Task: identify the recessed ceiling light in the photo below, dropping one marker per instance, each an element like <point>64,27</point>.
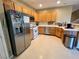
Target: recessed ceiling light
<point>40,5</point>
<point>58,2</point>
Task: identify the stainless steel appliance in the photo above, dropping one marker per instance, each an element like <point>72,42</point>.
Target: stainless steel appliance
<point>77,42</point>
<point>69,39</point>
<point>19,31</point>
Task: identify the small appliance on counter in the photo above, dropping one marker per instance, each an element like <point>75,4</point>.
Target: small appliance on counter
<point>37,23</point>
<point>69,26</point>
<point>31,19</point>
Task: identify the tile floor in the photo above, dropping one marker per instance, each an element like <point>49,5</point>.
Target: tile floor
<point>48,47</point>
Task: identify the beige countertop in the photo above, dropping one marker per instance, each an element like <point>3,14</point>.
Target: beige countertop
<point>75,29</point>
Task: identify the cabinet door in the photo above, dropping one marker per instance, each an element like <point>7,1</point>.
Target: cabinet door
<point>42,16</point>
<point>49,15</point>
<point>9,5</point>
<point>54,15</point>
<point>52,30</point>
<point>36,16</point>
<point>57,32</point>
<point>25,10</point>
<point>18,8</point>
<point>62,34</point>
<point>41,30</point>
<point>29,11</point>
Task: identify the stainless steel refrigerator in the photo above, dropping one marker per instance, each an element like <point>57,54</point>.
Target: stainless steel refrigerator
<point>19,31</point>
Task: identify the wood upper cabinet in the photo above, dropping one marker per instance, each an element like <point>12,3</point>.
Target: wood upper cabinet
<point>35,14</point>
<point>54,15</point>
<point>42,16</point>
<point>9,5</point>
<point>26,10</point>
<point>18,8</point>
<point>47,15</point>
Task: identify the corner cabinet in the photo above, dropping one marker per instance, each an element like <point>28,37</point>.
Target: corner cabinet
<point>59,32</point>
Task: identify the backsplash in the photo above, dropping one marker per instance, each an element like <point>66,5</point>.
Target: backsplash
<point>43,23</point>
<point>33,23</point>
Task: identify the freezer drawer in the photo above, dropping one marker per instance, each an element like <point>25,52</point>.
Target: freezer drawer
<point>47,30</point>
<point>20,45</point>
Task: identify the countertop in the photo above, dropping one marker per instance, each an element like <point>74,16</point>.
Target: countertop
<point>74,29</point>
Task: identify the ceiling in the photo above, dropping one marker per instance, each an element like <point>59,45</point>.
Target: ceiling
<point>49,3</point>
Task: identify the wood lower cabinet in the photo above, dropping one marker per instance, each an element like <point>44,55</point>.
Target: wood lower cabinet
<point>59,32</point>
<point>41,30</point>
<point>52,30</point>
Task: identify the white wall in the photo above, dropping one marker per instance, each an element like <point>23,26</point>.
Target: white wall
<point>5,51</point>
<point>64,14</point>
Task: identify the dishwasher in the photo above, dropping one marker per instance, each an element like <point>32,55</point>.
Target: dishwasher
<point>47,30</point>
